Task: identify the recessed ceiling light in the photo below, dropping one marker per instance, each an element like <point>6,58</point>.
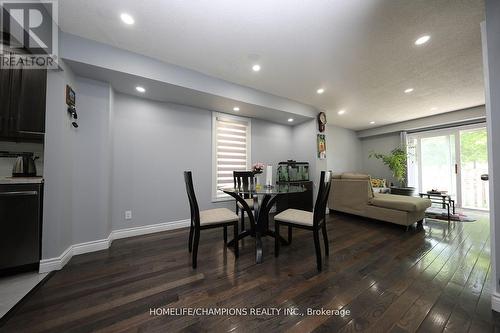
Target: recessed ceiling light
<point>256,68</point>
<point>409,90</point>
<point>127,18</point>
<point>422,40</point>
<point>434,108</point>
<point>320,91</point>
<point>341,112</point>
<point>372,122</point>
<point>236,109</point>
<point>290,120</point>
<point>140,89</point>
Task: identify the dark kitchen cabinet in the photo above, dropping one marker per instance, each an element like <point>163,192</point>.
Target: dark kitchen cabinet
<point>4,100</point>
<point>23,95</point>
<point>28,111</point>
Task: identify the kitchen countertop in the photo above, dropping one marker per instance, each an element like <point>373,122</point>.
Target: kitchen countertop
<point>21,180</point>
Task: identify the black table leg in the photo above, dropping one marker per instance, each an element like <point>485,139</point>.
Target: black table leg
<point>262,216</point>
<point>258,220</point>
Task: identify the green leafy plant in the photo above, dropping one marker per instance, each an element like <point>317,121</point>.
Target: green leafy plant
<point>396,161</point>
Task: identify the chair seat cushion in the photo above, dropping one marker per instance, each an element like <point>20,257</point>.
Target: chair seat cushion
<point>400,202</point>
<point>295,216</point>
<point>217,215</point>
<point>249,202</point>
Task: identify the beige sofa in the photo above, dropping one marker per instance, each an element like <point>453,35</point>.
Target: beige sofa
<point>352,193</point>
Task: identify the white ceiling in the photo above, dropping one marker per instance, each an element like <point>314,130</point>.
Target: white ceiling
<point>360,51</point>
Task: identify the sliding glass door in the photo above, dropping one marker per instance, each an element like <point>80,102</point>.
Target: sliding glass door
<point>438,164</point>
<point>451,161</point>
<point>474,163</point>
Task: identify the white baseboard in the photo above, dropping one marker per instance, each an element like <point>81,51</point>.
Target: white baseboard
<point>495,302</point>
<point>148,229</point>
<point>54,264</point>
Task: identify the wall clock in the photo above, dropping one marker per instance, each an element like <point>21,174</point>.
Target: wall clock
<point>321,121</point>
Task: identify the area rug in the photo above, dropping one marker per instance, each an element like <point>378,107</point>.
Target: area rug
<point>438,214</point>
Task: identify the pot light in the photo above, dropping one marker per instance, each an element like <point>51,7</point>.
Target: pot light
<point>341,112</point>
<point>409,90</point>
<point>236,109</point>
<point>422,40</point>
<point>320,91</point>
<point>372,123</point>
<point>256,68</point>
<point>140,89</point>
<point>434,108</point>
<point>290,120</point>
<point>127,18</point>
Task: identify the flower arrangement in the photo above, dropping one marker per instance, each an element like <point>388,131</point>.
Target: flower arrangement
<point>258,168</point>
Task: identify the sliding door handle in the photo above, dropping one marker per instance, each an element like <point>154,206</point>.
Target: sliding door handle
<point>456,169</point>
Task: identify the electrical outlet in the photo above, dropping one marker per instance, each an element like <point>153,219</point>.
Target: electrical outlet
<point>128,215</point>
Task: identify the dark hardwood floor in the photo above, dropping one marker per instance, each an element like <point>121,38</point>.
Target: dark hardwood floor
<point>429,280</point>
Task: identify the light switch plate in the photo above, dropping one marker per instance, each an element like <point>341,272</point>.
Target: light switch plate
<point>128,215</point>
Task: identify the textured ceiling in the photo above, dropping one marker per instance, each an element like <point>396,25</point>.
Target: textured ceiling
<point>360,51</point>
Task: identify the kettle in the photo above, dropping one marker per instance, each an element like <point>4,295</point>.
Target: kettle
<point>24,166</point>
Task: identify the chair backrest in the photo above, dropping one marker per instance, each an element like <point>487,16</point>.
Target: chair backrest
<point>322,198</point>
<point>243,179</point>
<point>193,204</point>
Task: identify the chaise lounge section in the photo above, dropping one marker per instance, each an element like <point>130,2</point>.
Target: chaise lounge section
<point>352,193</point>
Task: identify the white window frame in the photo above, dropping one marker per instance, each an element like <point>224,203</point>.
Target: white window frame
<point>216,115</point>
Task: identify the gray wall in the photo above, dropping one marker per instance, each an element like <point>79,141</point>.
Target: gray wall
<point>91,168</point>
<point>304,146</point>
<point>154,142</point>
<point>343,150</point>
<point>491,54</point>
<point>378,144</point>
<point>58,166</point>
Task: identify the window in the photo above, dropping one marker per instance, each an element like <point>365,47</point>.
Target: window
<point>230,150</point>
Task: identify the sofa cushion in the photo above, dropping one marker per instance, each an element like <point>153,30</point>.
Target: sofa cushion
<point>400,202</point>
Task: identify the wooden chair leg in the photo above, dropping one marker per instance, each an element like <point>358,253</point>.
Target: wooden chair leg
<point>191,239</point>
<point>317,245</point>
<point>289,235</point>
<point>225,235</point>
<point>277,239</point>
<point>236,244</point>
<point>195,247</point>
<point>325,239</point>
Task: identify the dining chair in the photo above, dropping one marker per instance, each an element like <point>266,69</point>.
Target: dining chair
<point>314,221</point>
<point>207,219</point>
<point>243,179</point>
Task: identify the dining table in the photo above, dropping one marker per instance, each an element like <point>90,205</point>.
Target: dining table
<point>264,197</point>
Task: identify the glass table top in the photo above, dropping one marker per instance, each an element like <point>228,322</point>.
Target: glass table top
<point>263,190</point>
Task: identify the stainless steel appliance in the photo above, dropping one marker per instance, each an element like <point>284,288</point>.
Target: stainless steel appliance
<point>24,166</point>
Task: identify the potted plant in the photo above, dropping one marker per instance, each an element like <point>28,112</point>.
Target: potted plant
<point>396,161</point>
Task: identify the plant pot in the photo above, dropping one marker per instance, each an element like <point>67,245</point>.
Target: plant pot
<point>408,191</point>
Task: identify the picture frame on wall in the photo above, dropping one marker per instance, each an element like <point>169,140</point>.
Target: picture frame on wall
<point>321,146</point>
